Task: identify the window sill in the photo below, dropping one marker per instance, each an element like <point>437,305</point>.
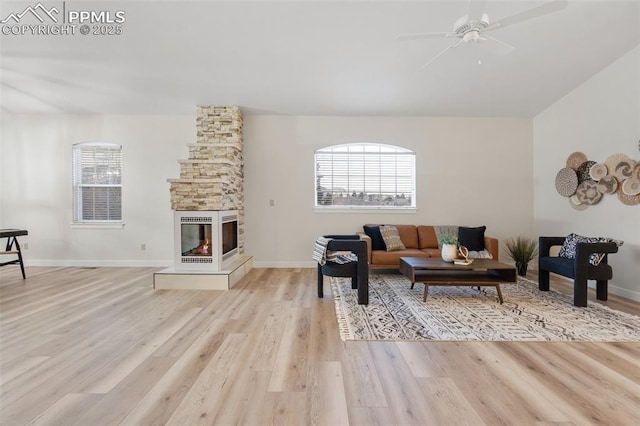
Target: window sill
<point>97,225</point>
<point>360,210</point>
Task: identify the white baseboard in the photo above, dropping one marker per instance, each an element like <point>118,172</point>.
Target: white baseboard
<point>613,289</point>
<point>624,292</point>
<point>304,264</point>
<point>101,263</point>
<point>153,263</point>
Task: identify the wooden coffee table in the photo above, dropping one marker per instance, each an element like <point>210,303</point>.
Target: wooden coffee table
<point>435,271</point>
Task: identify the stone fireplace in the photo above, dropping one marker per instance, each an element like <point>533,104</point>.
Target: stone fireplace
<point>208,201</point>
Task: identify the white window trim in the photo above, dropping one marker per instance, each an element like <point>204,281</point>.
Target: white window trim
<point>367,210</point>
<point>95,224</point>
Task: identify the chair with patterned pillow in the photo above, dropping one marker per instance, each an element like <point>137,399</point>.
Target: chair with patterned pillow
<point>580,258</point>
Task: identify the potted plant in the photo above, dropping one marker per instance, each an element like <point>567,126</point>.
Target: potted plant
<point>449,247</point>
<point>522,250</point>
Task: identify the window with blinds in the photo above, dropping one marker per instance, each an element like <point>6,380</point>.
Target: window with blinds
<point>97,182</point>
<point>365,175</point>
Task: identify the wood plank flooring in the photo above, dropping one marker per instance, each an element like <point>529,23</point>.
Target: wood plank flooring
<point>98,346</point>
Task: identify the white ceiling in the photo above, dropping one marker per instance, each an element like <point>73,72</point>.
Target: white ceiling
<point>311,58</point>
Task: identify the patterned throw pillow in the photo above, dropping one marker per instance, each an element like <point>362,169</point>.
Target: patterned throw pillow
<point>570,247</point>
<point>480,254</point>
<point>596,258</point>
<point>391,238</point>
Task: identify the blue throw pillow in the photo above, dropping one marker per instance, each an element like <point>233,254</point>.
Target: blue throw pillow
<point>472,238</point>
<point>373,232</point>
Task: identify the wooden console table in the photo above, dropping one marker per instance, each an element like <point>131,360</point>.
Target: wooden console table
<point>12,240</point>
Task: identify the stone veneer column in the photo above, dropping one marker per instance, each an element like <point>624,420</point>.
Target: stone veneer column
<point>212,178</point>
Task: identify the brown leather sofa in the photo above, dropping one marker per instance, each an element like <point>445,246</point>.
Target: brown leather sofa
<point>420,241</point>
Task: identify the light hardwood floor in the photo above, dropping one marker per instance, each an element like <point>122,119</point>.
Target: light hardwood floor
<point>98,346</point>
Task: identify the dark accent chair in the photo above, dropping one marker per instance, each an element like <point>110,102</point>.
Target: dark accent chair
<point>357,271</point>
<point>579,268</point>
<point>12,239</point>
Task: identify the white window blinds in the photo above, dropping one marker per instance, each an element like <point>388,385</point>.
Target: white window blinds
<point>365,175</point>
<point>97,182</point>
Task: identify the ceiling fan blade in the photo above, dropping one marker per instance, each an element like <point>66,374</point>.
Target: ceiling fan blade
<point>536,12</point>
<point>452,45</point>
<point>476,9</point>
<point>424,36</point>
<point>497,47</point>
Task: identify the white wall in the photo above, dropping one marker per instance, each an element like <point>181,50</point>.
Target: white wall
<point>599,118</point>
<point>470,171</point>
<point>36,186</point>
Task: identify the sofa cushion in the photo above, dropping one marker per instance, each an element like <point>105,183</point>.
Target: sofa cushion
<point>392,258</point>
<point>427,237</point>
<point>432,252</point>
<point>373,231</point>
<point>391,238</point>
<point>408,235</point>
<point>472,238</point>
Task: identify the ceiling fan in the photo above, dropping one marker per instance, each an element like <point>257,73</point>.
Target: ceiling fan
<point>474,26</point>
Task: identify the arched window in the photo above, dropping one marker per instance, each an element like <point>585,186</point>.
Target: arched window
<point>365,175</point>
<point>97,182</point>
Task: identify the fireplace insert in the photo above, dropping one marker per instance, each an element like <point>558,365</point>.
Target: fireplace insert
<point>206,240</point>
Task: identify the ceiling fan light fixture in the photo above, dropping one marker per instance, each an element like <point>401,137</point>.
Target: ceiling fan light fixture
<point>471,36</point>
<point>463,25</point>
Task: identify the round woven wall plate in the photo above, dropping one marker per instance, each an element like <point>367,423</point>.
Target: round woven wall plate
<point>623,169</point>
<point>574,199</point>
<point>577,205</point>
<point>608,185</point>
<point>566,182</point>
<point>629,200</point>
<point>598,171</point>
<point>575,159</point>
<point>612,161</point>
<point>631,186</point>
<point>583,171</point>
<point>588,193</point>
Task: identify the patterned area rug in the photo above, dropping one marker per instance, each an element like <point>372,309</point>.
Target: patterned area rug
<point>396,312</point>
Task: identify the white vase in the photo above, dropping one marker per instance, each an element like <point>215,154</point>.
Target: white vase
<point>449,252</point>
